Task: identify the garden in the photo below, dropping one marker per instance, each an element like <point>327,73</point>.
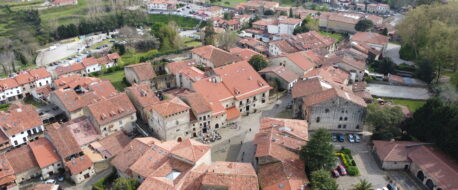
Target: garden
<point>345,156</point>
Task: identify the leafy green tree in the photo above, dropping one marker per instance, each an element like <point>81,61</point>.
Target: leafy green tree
<point>283,13</point>
<point>209,34</point>
<point>291,13</point>
<point>269,12</point>
<point>385,32</point>
<point>425,71</point>
<point>322,180</point>
<point>258,62</point>
<point>125,184</point>
<point>363,185</point>
<point>364,25</point>
<point>384,121</point>
<point>319,151</point>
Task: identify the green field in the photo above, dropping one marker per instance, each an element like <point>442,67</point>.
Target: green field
<point>336,36</point>
<point>183,22</point>
<point>65,14</point>
<point>413,105</point>
<point>116,78</point>
<point>229,3</point>
<point>190,42</point>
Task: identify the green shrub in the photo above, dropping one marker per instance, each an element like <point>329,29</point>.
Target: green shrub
<point>345,151</point>
<point>352,171</point>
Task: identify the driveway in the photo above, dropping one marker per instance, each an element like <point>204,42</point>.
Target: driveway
<point>392,51</point>
<point>403,92</point>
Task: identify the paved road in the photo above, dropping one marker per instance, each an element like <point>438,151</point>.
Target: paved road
<point>392,51</point>
<point>404,92</point>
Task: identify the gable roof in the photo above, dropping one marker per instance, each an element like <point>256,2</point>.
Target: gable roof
<point>7,171</point>
<point>197,102</point>
<point>176,67</point>
<point>131,153</point>
<point>370,37</point>
<point>63,140</point>
<point>144,71</point>
<point>142,94</point>
<point>22,159</point>
<point>168,107</point>
<point>283,72</point>
<point>79,164</point>
<point>111,109</point>
<point>302,59</point>
<point>112,144</point>
<point>216,56</point>
<point>44,152</point>
<point>244,53</point>
<point>283,175</point>
<point>190,150</point>
<point>19,118</point>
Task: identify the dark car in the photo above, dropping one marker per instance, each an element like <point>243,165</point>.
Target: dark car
<point>340,137</point>
<point>335,173</point>
<point>391,187</point>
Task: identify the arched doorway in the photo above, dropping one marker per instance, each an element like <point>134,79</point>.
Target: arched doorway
<point>430,184</point>
<point>194,134</point>
<point>204,130</point>
<point>179,139</point>
<point>420,176</point>
<point>216,126</point>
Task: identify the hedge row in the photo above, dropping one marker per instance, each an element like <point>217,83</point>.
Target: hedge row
<point>349,163</point>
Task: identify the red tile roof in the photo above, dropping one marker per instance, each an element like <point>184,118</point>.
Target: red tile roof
<point>284,46</point>
<point>111,109</point>
<point>39,73</point>
<point>72,81</point>
<point>112,144</point>
<point>176,67</point>
<point>79,164</point>
<point>142,94</point>
<point>244,53</point>
<point>190,150</point>
<point>62,70</point>
<point>83,131</point>
<point>44,187</point>
<point>22,159</point>
<point>7,171</point>
<point>330,74</point>
<point>347,60</point>
<point>242,80</point>
<point>303,59</point>
<point>19,118</point>
<point>216,56</point>
<point>63,140</point>
<point>193,73</point>
<point>197,102</point>
<point>283,72</point>
<point>44,152</point>
<point>370,37</point>
<point>168,107</point>
<point>7,83</point>
<point>144,71</point>
<point>24,78</point>
<point>283,175</point>
<point>232,113</point>
<point>131,153</point>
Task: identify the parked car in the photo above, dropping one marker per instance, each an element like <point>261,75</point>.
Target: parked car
<point>334,138</point>
<point>335,173</point>
<point>340,137</point>
<point>391,187</point>
<point>351,138</point>
<point>357,138</point>
<point>383,188</point>
<point>50,181</point>
<point>341,170</point>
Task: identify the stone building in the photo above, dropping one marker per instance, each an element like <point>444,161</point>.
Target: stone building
<point>141,73</point>
<point>23,163</point>
<point>141,97</point>
<point>47,158</point>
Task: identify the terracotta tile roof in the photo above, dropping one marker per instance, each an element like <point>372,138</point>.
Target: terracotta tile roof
<point>7,83</point>
<point>7,171</point>
<point>284,46</point>
<point>44,90</point>
<point>229,175</point>
<point>176,67</point>
<point>345,18</point>
<point>63,140</point>
<point>22,159</point>
<point>330,74</point>
<point>216,56</point>
<point>283,72</point>
<point>111,109</point>
<point>79,164</point>
<point>168,107</point>
<point>142,94</point>
<point>62,70</point>
<point>212,91</point>
<point>244,53</point>
<point>83,131</point>
<point>242,80</point>
<point>190,150</point>
<point>307,87</point>
<point>370,37</point>
<point>396,78</point>
<point>265,22</point>
<point>302,60</point>
<point>113,56</point>
<point>232,113</point>
<point>310,40</point>
<point>131,153</point>
<point>292,21</point>
<point>44,152</point>
<point>192,73</point>
<point>252,42</point>
<point>197,102</point>
<point>331,94</point>
<point>144,71</point>
<point>347,60</point>
<point>283,175</point>
<point>112,144</point>
<point>359,86</point>
<point>24,78</point>
<point>19,118</point>
<point>72,81</point>
<point>375,19</point>
<point>39,73</point>
<point>256,4</point>
<point>4,138</point>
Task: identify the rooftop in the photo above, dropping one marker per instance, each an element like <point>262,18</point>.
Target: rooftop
<point>19,118</point>
<point>282,72</point>
<point>169,107</point>
<point>111,109</point>
<point>144,71</point>
<point>79,164</point>
<point>44,152</point>
<point>370,37</point>
<point>216,56</point>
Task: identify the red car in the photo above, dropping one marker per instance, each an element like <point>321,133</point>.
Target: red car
<point>335,173</point>
<point>341,170</point>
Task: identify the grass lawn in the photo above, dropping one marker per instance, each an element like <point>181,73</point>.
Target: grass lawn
<point>229,3</point>
<point>4,107</point>
<point>65,14</point>
<point>133,57</point>
<point>116,78</point>
<point>290,3</point>
<point>190,42</point>
<point>413,105</point>
<point>183,22</point>
<point>336,36</point>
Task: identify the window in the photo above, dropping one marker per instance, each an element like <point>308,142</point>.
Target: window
<point>24,139</point>
<point>15,143</point>
<point>344,126</point>
<point>357,126</point>
<point>339,126</point>
<point>326,110</point>
<point>345,118</point>
<point>317,119</point>
<point>340,119</point>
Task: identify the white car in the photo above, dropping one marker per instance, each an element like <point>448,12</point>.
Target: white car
<point>50,181</point>
<point>383,188</point>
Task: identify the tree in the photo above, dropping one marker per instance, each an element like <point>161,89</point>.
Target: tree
<point>269,12</point>
<point>425,71</point>
<point>364,25</point>
<point>385,32</point>
<point>258,62</point>
<point>363,185</point>
<point>385,66</point>
<point>319,152</point>
<point>308,24</point>
<point>209,34</point>
<point>322,180</point>
<point>125,184</point>
<point>291,13</point>
<point>227,39</point>
<point>384,121</point>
